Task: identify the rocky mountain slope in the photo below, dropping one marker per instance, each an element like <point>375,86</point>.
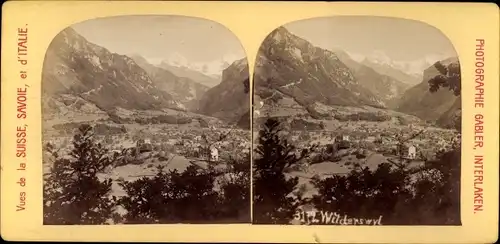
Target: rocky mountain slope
<point>228,100</point>
<point>183,89</point>
<point>75,67</point>
<point>292,66</point>
<point>441,106</point>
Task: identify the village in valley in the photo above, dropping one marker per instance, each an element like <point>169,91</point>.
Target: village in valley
<point>141,148</point>
<point>343,146</point>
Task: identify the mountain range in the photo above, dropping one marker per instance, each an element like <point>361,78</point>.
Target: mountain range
<point>412,68</point>
<point>292,67</point>
<point>309,74</point>
<point>228,100</point>
<point>183,89</point>
<point>385,86</point>
<point>183,71</point>
<point>441,106</point>
<point>75,66</point>
<point>78,71</point>
<point>210,68</point>
<point>391,71</point>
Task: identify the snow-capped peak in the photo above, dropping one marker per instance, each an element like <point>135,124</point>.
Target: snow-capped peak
<point>177,60</point>
<point>210,68</point>
<point>379,57</point>
<point>413,67</point>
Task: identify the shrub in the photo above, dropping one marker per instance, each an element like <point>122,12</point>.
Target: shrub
<point>301,124</point>
<point>364,116</point>
<point>344,145</point>
<point>164,119</point>
<point>203,123</point>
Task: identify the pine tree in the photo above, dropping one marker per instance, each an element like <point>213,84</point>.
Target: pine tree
<point>73,194</point>
<point>272,202</point>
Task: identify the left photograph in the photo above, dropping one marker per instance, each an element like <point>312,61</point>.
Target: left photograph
<point>146,120</point>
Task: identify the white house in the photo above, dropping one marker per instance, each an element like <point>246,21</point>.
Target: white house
<point>412,152</point>
<point>342,138</point>
<point>214,154</point>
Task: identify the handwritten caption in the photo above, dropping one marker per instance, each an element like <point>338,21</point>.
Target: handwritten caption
<point>479,95</point>
<point>21,115</point>
<point>331,218</point>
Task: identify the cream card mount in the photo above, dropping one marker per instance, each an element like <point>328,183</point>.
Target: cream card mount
<point>287,122</point>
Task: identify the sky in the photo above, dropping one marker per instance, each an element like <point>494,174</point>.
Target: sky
<point>176,38</point>
<point>395,39</point>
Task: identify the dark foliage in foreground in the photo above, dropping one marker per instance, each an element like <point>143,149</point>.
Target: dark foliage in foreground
<point>272,202</point>
<point>188,197</point>
<point>429,195</point>
<point>73,193</point>
<point>448,78</point>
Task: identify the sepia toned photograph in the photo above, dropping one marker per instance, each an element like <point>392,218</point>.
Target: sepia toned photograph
<point>356,121</point>
<point>146,120</point>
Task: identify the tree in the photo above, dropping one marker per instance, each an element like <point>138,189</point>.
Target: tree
<point>246,84</point>
<point>235,190</point>
<point>322,125</point>
<point>429,195</point>
<point>171,197</point>
<point>448,163</point>
<point>445,193</point>
<point>195,195</point>
<point>73,194</point>
<point>364,193</point>
<point>448,77</point>
<point>272,203</point>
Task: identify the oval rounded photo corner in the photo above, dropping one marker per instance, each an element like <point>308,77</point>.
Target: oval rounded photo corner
<point>131,96</point>
<point>351,95</point>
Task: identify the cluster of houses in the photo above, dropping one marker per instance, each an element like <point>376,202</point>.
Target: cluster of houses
<point>194,145</point>
<point>345,141</point>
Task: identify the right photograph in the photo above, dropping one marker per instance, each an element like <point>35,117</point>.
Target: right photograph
<point>356,121</point>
